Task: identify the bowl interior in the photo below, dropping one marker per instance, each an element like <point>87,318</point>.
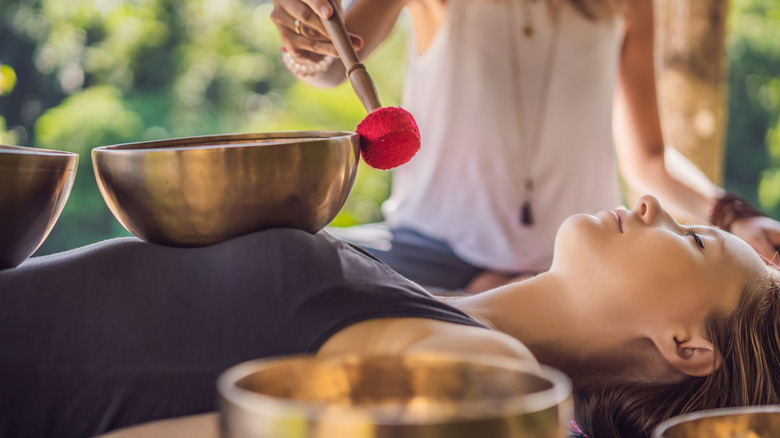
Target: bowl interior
<point>25,159</point>
<point>743,422</point>
<point>396,389</point>
<point>229,140</point>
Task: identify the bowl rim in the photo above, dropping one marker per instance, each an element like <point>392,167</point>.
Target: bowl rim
<point>225,141</point>
<point>53,157</point>
<point>557,394</point>
<point>713,413</point>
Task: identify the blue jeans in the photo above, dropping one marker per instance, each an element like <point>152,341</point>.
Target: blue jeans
<point>424,260</point>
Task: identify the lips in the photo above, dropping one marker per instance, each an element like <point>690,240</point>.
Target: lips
<point>619,219</point>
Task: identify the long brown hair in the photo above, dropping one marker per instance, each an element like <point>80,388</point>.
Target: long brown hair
<point>748,343</point>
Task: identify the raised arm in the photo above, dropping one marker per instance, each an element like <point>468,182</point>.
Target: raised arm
<point>645,161</point>
<point>306,41</point>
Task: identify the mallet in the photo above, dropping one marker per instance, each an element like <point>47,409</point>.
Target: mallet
<point>389,136</point>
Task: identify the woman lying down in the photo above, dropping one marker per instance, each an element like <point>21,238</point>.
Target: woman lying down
<point>649,318</point>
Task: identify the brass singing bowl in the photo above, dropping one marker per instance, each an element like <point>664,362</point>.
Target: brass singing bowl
<point>34,187</point>
<point>743,422</point>
<point>412,396</point>
<point>202,190</point>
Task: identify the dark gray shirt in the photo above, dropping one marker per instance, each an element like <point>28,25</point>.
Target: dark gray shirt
<point>123,332</point>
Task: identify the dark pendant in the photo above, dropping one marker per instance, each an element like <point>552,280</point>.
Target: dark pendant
<point>526,218</point>
<point>528,30</point>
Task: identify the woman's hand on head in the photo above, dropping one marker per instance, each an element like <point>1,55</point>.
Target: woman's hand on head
<point>300,27</point>
<point>762,233</point>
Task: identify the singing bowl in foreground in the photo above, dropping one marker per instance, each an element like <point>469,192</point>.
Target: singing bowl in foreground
<point>743,422</point>
<point>34,187</point>
<point>414,396</point>
<point>202,190</point>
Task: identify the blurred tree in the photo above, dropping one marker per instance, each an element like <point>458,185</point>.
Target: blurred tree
<point>94,116</point>
<point>753,145</point>
<point>7,79</point>
<point>90,73</point>
<point>113,71</point>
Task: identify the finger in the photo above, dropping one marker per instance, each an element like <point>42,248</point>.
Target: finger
<point>775,260</point>
<point>283,20</point>
<point>323,8</point>
<point>773,236</point>
<point>762,245</point>
<point>301,47</point>
<point>305,12</point>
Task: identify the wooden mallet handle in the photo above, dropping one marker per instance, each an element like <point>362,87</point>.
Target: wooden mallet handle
<point>356,71</point>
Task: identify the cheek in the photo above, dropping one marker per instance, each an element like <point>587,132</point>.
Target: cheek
<point>653,265</point>
<point>583,248</point>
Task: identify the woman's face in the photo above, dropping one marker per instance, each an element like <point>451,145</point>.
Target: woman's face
<point>643,260</point>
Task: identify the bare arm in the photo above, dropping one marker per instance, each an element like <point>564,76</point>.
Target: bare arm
<point>368,21</point>
<point>638,134</point>
<point>644,160</point>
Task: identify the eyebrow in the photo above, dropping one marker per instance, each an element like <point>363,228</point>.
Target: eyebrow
<point>718,235</point>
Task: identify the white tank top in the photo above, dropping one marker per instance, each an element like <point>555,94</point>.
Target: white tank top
<point>465,185</point>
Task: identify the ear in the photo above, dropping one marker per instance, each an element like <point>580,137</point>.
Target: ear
<point>690,354</point>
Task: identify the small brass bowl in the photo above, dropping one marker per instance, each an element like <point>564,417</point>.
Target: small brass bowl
<point>742,422</point>
<point>34,187</point>
<point>202,190</point>
<point>412,396</point>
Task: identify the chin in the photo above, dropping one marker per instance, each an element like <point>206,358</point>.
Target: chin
<point>575,236</point>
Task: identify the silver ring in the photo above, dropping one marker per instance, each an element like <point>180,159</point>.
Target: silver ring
<point>298,26</point>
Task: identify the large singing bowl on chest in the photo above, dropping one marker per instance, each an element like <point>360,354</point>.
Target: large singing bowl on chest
<point>410,396</point>
<point>34,187</point>
<point>741,422</point>
<point>203,190</point>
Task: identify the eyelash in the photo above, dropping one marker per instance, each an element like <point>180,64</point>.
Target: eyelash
<point>696,237</point>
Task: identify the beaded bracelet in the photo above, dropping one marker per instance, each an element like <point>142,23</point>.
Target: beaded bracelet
<point>727,209</point>
<point>306,69</point>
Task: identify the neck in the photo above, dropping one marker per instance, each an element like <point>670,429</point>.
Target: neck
<point>550,318</point>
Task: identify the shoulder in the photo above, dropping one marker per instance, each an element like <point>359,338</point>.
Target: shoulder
<point>455,338</point>
<point>411,335</point>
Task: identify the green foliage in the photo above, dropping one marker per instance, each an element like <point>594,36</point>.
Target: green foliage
<point>91,117</point>
<point>115,71</point>
<point>6,137</point>
<point>7,79</point>
<point>97,73</point>
<point>752,146</point>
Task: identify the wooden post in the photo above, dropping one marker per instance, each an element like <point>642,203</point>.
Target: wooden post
<point>692,78</point>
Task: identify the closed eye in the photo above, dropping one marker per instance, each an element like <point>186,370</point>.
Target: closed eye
<point>696,237</point>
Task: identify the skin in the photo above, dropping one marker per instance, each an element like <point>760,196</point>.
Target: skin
<point>639,137</point>
<point>618,293</point>
<point>629,293</point>
<point>626,289</point>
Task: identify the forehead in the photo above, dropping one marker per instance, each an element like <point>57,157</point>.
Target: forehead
<point>739,259</point>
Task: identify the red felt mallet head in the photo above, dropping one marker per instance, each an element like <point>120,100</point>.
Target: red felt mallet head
<point>388,136</point>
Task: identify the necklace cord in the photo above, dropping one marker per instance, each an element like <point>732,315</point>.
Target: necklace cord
<point>526,213</point>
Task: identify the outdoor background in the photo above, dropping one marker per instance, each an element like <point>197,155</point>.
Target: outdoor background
<point>78,74</point>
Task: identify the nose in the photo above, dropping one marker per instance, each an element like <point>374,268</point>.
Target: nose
<point>649,210</point>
